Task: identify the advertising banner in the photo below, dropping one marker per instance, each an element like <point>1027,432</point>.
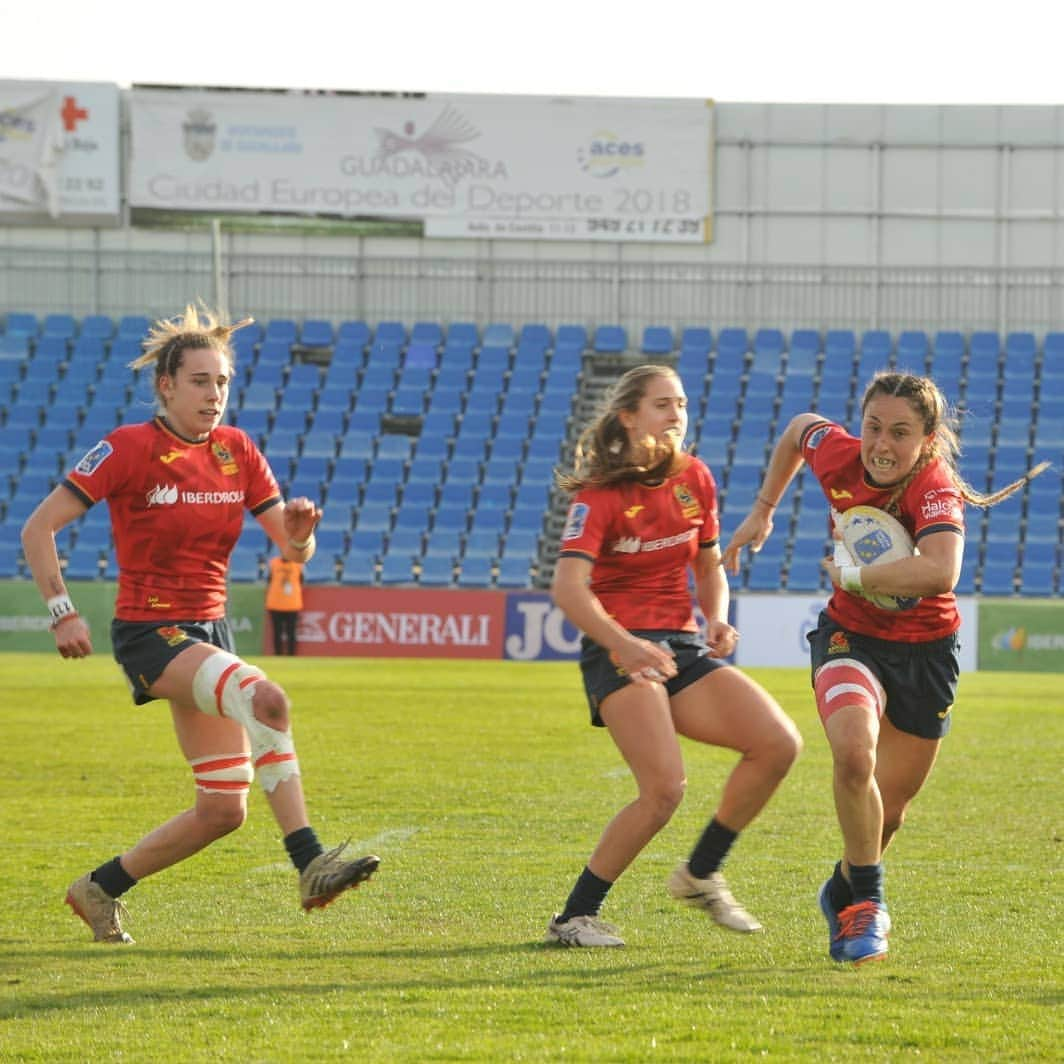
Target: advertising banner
<point>1025,635</point>
<point>536,630</point>
<point>396,623</point>
<point>773,628</point>
<point>59,152</point>
<point>478,166</point>
<point>24,622</point>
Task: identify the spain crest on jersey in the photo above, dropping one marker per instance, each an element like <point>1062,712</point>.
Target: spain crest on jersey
<point>688,503</point>
<point>224,458</point>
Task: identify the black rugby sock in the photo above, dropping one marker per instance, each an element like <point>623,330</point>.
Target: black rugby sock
<point>303,846</point>
<point>840,893</point>
<point>867,882</point>
<point>587,896</point>
<point>711,849</point>
<point>112,878</point>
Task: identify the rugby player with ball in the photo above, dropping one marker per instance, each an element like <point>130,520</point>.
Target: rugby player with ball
<point>885,652</point>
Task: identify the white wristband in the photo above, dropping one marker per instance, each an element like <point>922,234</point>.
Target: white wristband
<point>850,579</point>
<point>60,606</point>
<point>301,544</point>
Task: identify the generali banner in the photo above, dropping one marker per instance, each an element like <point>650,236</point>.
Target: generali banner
<point>59,152</point>
<point>479,166</point>
<point>395,623</point>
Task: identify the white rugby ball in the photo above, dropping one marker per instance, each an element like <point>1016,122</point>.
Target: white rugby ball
<point>871,537</point>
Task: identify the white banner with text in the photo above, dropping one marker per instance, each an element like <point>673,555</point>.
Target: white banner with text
<point>473,166</point>
<point>59,152</point>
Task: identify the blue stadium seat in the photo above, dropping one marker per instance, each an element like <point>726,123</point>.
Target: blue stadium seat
<point>657,340</point>
<point>390,333</point>
<point>498,335</point>
<point>359,570</point>
<point>912,350</point>
<point>570,336</point>
<point>514,571</point>
<point>804,352</point>
<point>61,326</point>
<point>463,333</point>
<point>697,339</point>
<point>133,327</point>
<point>316,332</point>
<point>19,324</point>
<point>535,335</point>
<point>353,335</point>
<point>98,326</point>
<point>610,339</point>
<point>436,571</point>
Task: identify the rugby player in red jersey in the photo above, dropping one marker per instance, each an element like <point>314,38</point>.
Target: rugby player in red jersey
<point>643,515</point>
<point>177,488</point>
<point>884,680</point>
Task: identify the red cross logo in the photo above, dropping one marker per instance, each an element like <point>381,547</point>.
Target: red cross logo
<point>71,114</point>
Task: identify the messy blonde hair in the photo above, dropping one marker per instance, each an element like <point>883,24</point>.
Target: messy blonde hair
<point>928,403</point>
<point>604,454</point>
<point>169,338</point>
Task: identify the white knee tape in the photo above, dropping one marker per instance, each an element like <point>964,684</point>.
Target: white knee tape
<point>223,685</point>
<point>222,773</point>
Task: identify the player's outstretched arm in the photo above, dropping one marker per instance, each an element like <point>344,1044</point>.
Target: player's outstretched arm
<point>785,462</point>
<point>55,511</point>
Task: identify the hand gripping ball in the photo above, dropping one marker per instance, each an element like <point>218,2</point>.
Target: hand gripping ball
<point>871,537</point>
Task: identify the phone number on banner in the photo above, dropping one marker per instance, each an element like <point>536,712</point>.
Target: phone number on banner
<point>664,230</point>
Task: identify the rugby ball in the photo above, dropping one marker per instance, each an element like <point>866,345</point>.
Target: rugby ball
<point>871,537</point>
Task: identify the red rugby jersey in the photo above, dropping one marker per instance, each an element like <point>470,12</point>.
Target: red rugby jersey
<point>641,541</point>
<point>931,503</point>
<point>177,509</point>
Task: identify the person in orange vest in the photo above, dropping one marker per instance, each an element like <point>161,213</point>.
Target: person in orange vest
<point>284,600</point>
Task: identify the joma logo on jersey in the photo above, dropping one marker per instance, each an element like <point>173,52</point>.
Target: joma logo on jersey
<point>841,493</point>
<point>688,504</point>
<point>633,510</point>
<point>162,495</point>
<point>173,456</point>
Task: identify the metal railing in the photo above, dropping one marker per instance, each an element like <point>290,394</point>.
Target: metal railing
<point>486,289</point>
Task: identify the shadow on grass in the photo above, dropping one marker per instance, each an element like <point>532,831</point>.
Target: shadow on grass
<point>533,965</point>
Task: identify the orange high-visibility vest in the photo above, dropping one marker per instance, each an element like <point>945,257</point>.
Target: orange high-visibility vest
<point>285,590</point>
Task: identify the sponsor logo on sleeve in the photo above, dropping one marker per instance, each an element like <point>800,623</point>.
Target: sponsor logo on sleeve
<point>815,438</point>
<point>941,504</point>
<point>577,519</point>
<point>94,459</point>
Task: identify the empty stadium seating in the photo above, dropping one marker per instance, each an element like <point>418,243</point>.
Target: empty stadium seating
<point>433,446</point>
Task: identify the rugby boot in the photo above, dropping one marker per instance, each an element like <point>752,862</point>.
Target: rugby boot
<point>99,910</point>
<point>329,875</point>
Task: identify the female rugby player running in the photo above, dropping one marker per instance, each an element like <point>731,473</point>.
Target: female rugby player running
<point>884,680</point>
<point>177,487</point>
<point>643,513</point>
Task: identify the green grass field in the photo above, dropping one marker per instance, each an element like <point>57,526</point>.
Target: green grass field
<point>483,789</point>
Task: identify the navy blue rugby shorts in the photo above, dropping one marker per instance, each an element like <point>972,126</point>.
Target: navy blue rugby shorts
<point>144,648</point>
<point>602,676</point>
<point>920,679</point>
